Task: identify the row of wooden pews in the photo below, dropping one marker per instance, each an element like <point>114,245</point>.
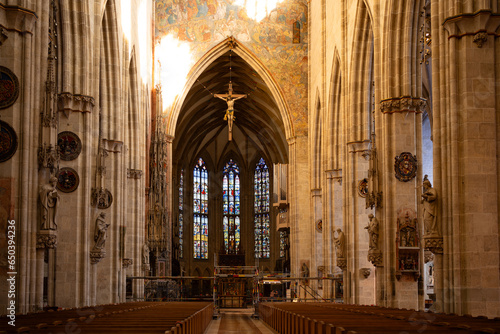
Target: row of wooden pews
<point>330,318</point>
<point>127,318</point>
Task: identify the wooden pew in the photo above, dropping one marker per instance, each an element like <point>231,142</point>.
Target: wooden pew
<point>330,318</point>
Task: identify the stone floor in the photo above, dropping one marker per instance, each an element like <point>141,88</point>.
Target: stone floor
<point>237,321</point>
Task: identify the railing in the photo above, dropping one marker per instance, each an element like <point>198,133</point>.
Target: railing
<point>195,324</point>
<point>316,296</point>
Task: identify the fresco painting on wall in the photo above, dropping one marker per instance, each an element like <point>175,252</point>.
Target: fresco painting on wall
<point>279,40</point>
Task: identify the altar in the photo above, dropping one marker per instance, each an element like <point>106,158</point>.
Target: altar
<point>232,292</point>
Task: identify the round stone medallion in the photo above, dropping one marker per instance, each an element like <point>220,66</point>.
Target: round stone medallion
<point>105,200</point>
<point>8,141</point>
<point>405,166</point>
<point>70,145</point>
<point>363,187</point>
<point>9,87</point>
<point>67,180</point>
<point>319,225</point>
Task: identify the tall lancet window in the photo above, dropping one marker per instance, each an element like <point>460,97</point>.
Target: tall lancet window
<point>200,210</point>
<point>261,210</point>
<point>231,206</point>
<point>181,214</point>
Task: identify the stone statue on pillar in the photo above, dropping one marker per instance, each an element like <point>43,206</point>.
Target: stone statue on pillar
<point>340,243</point>
<point>429,200</point>
<point>49,201</point>
<point>145,257</point>
<point>374,252</point>
<point>372,228</point>
<point>433,240</point>
<point>340,247</point>
<point>100,235</point>
<point>101,229</point>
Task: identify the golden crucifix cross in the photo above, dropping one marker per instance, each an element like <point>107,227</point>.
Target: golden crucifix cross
<point>230,98</point>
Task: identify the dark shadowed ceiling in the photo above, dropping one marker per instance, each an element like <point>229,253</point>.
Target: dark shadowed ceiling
<point>257,122</point>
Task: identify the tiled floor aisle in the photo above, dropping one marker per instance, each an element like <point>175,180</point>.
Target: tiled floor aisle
<point>237,321</point>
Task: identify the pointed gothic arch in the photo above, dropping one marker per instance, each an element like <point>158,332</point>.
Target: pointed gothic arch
<point>334,117</point>
<point>110,79</point>
<point>232,44</point>
<point>362,68</point>
<point>317,142</point>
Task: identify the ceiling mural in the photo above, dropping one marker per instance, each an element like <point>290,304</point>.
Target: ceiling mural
<point>278,39</point>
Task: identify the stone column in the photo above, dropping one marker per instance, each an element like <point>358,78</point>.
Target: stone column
<point>435,245</point>
<point>328,223</point>
<point>316,236</point>
<point>337,217</point>
<point>51,278</point>
<point>466,150</point>
<point>358,165</point>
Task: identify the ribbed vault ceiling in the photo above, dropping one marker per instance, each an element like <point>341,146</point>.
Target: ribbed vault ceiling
<point>201,119</point>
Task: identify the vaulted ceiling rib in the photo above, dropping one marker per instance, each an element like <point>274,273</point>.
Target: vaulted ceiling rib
<point>201,119</point>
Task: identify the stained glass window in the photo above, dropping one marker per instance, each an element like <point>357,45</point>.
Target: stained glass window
<point>261,211</point>
<point>231,206</point>
<point>200,210</point>
<point>181,213</point>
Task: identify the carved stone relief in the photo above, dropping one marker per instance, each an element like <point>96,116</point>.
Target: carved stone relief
<point>407,244</point>
<point>48,157</point>
<point>127,262</point>
<point>134,173</point>
<point>403,104</point>
<point>102,198</point>
<point>365,272</point>
<point>480,38</point>
<point>68,102</point>
<point>46,241</point>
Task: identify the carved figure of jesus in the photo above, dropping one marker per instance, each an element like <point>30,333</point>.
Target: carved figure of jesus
<point>230,98</point>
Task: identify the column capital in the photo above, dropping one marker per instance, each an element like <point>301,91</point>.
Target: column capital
<point>479,24</point>
<point>18,19</point>
<point>403,104</point>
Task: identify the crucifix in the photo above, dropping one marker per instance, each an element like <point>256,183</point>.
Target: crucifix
<point>230,98</point>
